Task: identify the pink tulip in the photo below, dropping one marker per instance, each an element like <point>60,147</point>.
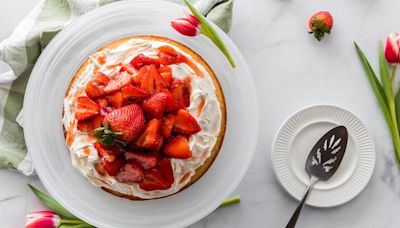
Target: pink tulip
<point>392,48</point>
<point>42,219</point>
<point>188,26</point>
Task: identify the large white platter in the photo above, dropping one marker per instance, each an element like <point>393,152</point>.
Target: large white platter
<point>44,134</point>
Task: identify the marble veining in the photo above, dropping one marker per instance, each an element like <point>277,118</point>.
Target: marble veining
<point>291,70</point>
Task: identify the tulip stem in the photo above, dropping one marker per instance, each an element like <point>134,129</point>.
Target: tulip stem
<point>393,78</point>
<point>229,201</point>
<point>72,221</point>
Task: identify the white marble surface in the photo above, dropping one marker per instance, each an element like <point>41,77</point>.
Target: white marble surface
<point>291,70</point>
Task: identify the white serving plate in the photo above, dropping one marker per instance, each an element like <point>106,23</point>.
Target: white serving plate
<point>296,138</point>
<point>44,133</point>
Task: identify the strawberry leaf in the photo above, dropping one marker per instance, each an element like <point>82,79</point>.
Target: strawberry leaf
<point>107,137</point>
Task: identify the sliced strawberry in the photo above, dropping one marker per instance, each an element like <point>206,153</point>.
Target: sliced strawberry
<point>172,104</point>
<point>164,165</point>
<point>167,125</point>
<point>146,159</point>
<point>95,87</point>
<point>140,75</point>
<point>153,180</point>
<point>152,80</point>
<point>159,142</point>
<point>109,154</point>
<point>120,80</point>
<point>143,60</point>
<point>131,172</point>
<point>168,50</point>
<point>154,106</point>
<point>104,111</point>
<point>113,167</point>
<point>180,90</point>
<point>102,102</point>
<point>116,99</point>
<point>128,69</point>
<point>132,92</point>
<point>129,120</point>
<point>166,74</point>
<point>168,55</point>
<point>147,83</point>
<point>85,126</point>
<point>86,108</point>
<point>186,123</point>
<point>150,139</point>
<point>178,147</point>
<point>97,120</point>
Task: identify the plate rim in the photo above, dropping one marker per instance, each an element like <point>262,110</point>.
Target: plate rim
<point>298,111</point>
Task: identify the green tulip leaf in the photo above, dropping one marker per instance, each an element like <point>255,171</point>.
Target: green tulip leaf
<point>375,84</point>
<point>52,203</point>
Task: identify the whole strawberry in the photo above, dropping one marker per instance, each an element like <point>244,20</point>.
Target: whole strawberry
<point>320,23</point>
<point>121,126</point>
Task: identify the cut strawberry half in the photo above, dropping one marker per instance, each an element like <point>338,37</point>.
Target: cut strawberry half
<point>109,154</point>
<point>153,180</point>
<point>130,173</point>
<point>168,50</point>
<point>86,108</point>
<point>185,123</point>
<point>142,60</point>
<point>95,87</point>
<point>113,167</point>
<point>168,123</point>
<point>168,55</point>
<point>140,75</point>
<point>120,80</point>
<point>171,104</point>
<point>154,106</point>
<point>146,159</point>
<point>180,90</point>
<point>150,138</point>
<point>102,102</point>
<point>134,93</point>
<point>85,126</point>
<point>104,111</point>
<point>178,147</point>
<point>166,74</point>
<point>152,81</point>
<point>96,121</point>
<point>116,99</point>
<point>164,165</point>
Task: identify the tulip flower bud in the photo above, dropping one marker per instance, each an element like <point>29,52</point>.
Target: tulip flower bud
<point>42,219</point>
<point>188,26</point>
<point>392,48</point>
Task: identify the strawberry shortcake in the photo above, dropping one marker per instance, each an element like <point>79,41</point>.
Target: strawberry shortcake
<point>144,117</point>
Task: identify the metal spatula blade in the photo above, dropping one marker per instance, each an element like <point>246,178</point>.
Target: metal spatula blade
<point>325,157</point>
<point>323,161</point>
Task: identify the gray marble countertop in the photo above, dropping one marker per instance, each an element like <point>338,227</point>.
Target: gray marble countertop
<point>291,70</point>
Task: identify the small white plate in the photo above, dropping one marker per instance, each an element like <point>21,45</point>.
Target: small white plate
<point>298,135</point>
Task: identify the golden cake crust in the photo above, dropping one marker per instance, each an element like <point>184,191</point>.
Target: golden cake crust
<point>199,172</point>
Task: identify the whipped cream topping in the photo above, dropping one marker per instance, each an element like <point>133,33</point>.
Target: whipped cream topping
<point>204,106</point>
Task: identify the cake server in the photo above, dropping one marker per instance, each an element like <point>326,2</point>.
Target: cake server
<point>322,162</point>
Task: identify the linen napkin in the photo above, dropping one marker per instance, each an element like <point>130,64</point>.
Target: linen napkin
<point>20,51</point>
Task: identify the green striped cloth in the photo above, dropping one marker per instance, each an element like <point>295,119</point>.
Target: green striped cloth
<point>20,51</point>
